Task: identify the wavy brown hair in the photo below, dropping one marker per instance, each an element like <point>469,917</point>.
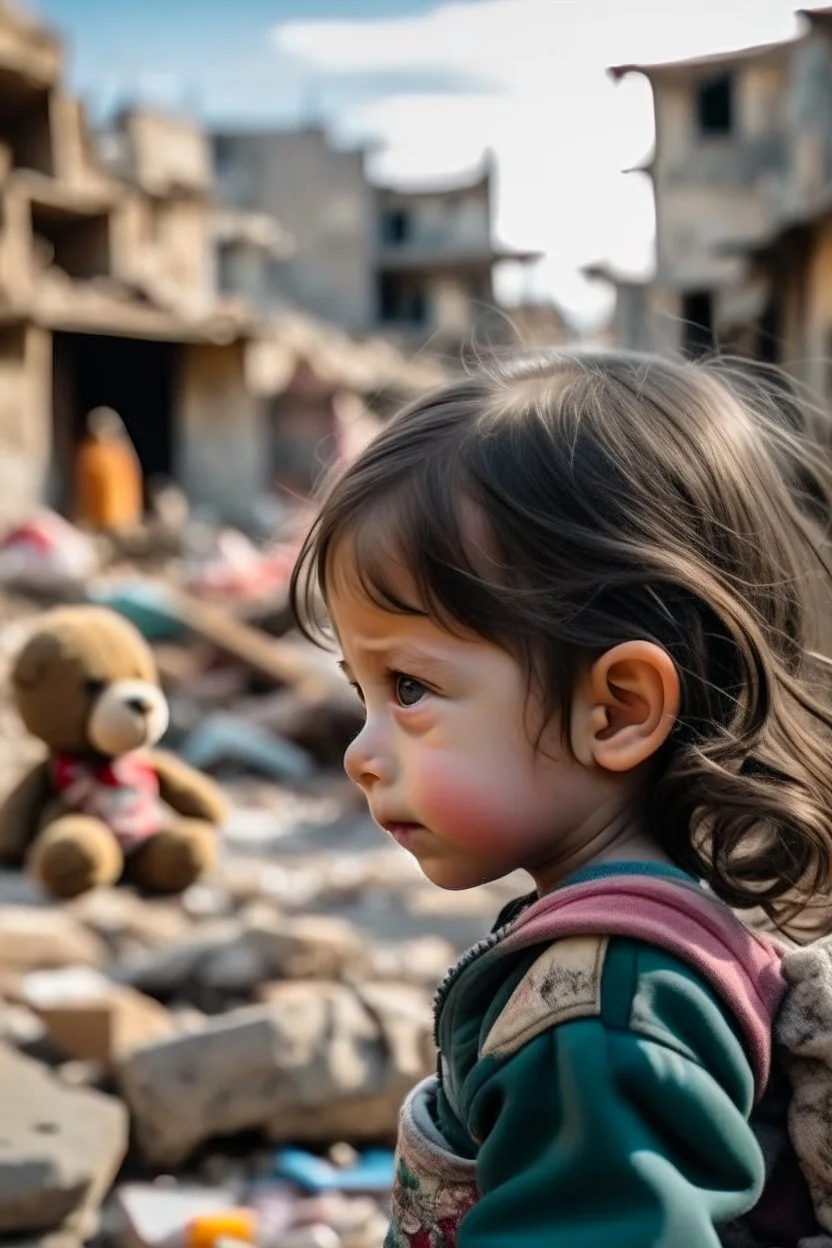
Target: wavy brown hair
<point>561,504</point>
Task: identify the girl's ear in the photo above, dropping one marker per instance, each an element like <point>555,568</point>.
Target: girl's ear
<point>625,707</point>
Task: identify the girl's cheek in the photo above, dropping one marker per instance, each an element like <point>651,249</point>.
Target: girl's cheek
<point>463,804</point>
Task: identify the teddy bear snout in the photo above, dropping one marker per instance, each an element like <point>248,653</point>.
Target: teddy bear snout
<point>128,715</point>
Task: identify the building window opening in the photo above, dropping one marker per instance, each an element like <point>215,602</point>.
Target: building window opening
<point>715,106</point>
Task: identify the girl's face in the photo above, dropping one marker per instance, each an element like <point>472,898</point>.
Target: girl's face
<point>448,757</point>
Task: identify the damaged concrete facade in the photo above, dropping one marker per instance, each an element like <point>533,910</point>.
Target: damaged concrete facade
<point>107,293</point>
<point>435,258</point>
<point>742,178</point>
<point>415,265</point>
<point>321,196</point>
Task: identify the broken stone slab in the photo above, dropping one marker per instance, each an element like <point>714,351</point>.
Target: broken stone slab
<point>423,961</point>
<point>89,1017</point>
<point>168,971</point>
<point>60,1148</point>
<point>236,968</point>
<point>118,916</point>
<point>20,1026</point>
<point>207,900</point>
<point>236,956</point>
<point>272,947</point>
<point>397,1047</point>
<point>305,947</point>
<point>322,1061</point>
<point>32,938</point>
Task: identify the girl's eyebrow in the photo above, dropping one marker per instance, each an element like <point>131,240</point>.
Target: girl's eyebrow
<point>404,658</point>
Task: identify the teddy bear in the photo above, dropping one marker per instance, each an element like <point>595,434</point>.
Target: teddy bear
<point>103,806</point>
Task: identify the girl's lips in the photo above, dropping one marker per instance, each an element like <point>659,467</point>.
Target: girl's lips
<point>403,833</point>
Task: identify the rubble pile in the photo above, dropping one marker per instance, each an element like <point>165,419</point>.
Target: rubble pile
<point>222,1055</point>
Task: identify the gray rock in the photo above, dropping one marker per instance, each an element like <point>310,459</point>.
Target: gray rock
<point>19,1025</point>
<point>170,970</point>
<point>236,967</point>
<point>310,947</point>
<point>60,1148</point>
<point>323,1061</point>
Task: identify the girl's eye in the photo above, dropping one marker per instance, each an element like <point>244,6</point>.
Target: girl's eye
<point>409,691</point>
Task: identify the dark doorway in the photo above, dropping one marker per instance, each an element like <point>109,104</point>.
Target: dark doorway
<point>698,327</point>
<point>401,302</point>
<point>134,376</point>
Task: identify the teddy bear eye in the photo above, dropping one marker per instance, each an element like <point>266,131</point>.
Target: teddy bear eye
<point>93,688</point>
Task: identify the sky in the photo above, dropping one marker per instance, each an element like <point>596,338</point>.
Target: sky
<point>432,85</point>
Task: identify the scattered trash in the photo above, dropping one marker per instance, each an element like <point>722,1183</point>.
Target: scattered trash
<point>156,1216</point>
<point>46,552</point>
<point>234,567</point>
<point>145,605</point>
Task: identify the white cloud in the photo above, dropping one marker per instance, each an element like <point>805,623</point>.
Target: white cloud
<point>560,130</point>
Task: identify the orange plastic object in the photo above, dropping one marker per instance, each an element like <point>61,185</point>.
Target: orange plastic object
<point>207,1230</point>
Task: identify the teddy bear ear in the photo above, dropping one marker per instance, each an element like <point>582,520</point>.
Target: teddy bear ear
<point>34,659</point>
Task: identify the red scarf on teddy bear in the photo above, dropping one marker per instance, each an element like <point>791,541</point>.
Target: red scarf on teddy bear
<point>123,793</point>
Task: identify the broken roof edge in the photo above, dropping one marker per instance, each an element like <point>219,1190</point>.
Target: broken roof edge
<point>713,60</point>
<point>30,25</point>
<point>603,271</point>
<point>475,179</point>
<point>646,165</point>
<point>264,128</point>
<point>823,14</point>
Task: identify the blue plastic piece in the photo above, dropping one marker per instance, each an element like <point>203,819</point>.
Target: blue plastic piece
<point>227,738</point>
<point>373,1172</point>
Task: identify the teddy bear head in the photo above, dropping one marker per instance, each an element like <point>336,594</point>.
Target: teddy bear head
<point>85,683</point>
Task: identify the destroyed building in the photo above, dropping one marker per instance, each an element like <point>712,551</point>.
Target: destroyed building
<point>742,181</point>
<point>321,195</point>
<point>107,293</point>
<point>435,258</point>
<point>414,264</point>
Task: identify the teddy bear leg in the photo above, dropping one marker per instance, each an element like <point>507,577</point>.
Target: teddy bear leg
<point>73,854</point>
<point>174,858</point>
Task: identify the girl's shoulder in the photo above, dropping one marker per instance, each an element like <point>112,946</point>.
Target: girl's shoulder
<point>629,987</point>
<point>641,950</point>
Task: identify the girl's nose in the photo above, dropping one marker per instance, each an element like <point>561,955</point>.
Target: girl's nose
<point>365,760</point>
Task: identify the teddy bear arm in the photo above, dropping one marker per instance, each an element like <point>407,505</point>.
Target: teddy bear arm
<point>187,791</point>
<point>20,812</point>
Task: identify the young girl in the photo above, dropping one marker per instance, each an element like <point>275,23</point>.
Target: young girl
<point>570,596</point>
